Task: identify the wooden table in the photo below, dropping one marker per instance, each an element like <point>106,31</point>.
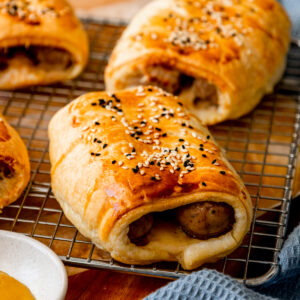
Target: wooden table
<point>102,284</point>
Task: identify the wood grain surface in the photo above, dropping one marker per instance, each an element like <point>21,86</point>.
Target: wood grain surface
<point>102,284</point>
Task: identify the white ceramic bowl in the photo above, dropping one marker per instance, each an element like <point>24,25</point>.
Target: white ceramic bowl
<point>34,265</point>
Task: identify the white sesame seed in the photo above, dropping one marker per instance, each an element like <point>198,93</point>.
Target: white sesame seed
<point>120,163</point>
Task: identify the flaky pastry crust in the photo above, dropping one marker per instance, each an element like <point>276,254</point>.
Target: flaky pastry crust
<point>237,47</point>
<point>14,164</point>
<point>117,157</point>
<point>30,32</point>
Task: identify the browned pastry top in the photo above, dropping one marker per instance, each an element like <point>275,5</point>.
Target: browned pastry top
<point>211,33</point>
<point>145,147</point>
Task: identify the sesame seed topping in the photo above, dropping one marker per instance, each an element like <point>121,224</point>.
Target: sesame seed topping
<point>113,162</point>
<point>222,172</point>
<point>203,183</point>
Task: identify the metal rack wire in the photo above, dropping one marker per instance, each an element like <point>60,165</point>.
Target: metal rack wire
<point>262,146</point>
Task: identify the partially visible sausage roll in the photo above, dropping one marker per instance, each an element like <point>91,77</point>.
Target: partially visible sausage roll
<point>41,42</point>
<point>144,180</point>
<point>220,56</point>
<point>14,164</point>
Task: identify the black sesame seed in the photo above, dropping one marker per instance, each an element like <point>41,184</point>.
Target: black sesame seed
<point>186,163</point>
<point>213,161</point>
<point>132,134</point>
<point>92,153</point>
<point>158,163</point>
<point>158,129</point>
<point>204,155</point>
<point>178,169</point>
<point>150,90</point>
<point>93,104</point>
<point>168,163</point>
<point>113,162</point>
<point>222,172</point>
<point>183,147</point>
<point>180,103</point>
<point>97,123</point>
<point>164,108</point>
<point>151,163</point>
<point>208,137</point>
<point>99,141</point>
<point>203,183</point>
<point>181,140</point>
<point>97,154</point>
<point>101,101</point>
<point>183,124</point>
<point>163,114</point>
<point>191,127</point>
<point>201,149</point>
<point>128,154</point>
<point>109,102</point>
<point>143,122</point>
<point>171,114</point>
<point>164,135</point>
<point>104,146</point>
<point>201,145</point>
<point>153,178</point>
<point>135,170</point>
<point>139,132</point>
<point>135,127</point>
<point>95,140</point>
<point>133,150</point>
<point>176,149</point>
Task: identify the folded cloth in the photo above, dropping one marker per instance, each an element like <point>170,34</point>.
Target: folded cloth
<point>211,285</point>
<point>293,9</point>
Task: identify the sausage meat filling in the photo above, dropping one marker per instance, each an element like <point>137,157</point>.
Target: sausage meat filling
<point>45,57</point>
<point>204,220</point>
<point>6,171</point>
<point>196,91</point>
<point>200,220</point>
<point>139,229</point>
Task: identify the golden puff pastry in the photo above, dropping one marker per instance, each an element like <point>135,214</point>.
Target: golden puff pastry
<point>41,42</point>
<point>14,164</point>
<point>220,56</point>
<point>144,180</point>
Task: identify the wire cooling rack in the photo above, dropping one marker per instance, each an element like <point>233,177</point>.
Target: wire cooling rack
<point>262,147</point>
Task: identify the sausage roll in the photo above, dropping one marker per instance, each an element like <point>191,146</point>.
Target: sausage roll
<point>14,164</point>
<point>220,56</point>
<point>41,42</point>
<point>144,180</point>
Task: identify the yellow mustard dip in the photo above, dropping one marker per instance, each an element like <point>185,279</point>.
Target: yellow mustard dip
<point>12,289</point>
